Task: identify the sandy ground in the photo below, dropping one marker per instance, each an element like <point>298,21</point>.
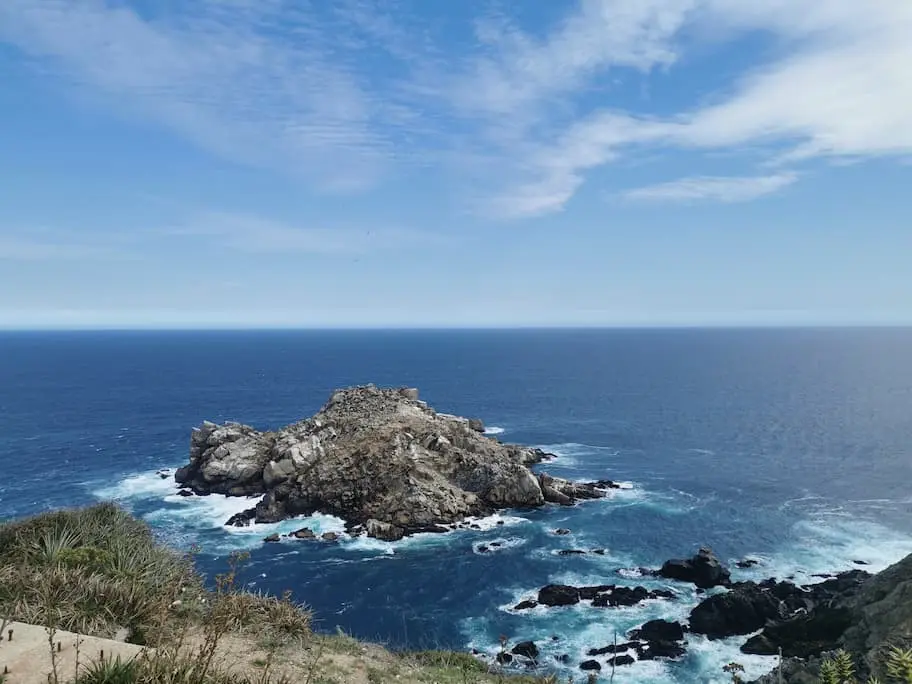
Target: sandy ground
<point>26,658</point>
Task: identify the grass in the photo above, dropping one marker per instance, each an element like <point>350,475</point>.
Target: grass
<point>98,571</point>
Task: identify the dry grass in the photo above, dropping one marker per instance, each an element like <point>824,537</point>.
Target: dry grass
<point>98,571</point>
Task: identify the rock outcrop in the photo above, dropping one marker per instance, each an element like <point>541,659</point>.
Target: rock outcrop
<point>704,570</point>
<point>861,613</point>
<point>381,459</point>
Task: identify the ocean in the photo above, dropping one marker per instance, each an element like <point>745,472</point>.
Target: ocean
<point>791,446</point>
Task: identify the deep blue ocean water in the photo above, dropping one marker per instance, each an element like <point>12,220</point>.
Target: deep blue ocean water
<point>791,446</point>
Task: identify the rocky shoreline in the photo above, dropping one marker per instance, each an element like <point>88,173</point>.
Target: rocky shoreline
<point>390,466</point>
<point>380,459</point>
<point>852,610</point>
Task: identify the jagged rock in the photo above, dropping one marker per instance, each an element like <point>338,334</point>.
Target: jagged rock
<point>704,570</point>
<point>561,531</point>
<point>184,492</point>
<point>591,665</point>
<point>525,605</point>
<point>304,533</point>
<point>747,563</point>
<point>563,658</point>
<point>558,595</point>
<point>659,630</point>
<point>383,530</point>
<point>802,636</point>
<point>482,548</point>
<point>598,552</point>
<point>329,536</point>
<point>527,649</point>
<point>242,519</point>
<point>476,424</point>
<point>612,648</point>
<point>855,611</point>
<point>620,660</point>
<point>628,596</point>
<point>504,658</point>
<point>571,552</point>
<point>272,538</point>
<point>661,649</point>
<point>742,610</point>
<point>378,458</point>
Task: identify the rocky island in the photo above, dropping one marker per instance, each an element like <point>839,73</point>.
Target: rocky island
<point>381,459</point>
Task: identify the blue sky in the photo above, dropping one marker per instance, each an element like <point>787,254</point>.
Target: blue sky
<point>167,163</point>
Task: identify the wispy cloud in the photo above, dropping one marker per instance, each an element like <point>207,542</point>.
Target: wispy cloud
<point>712,188</point>
<point>341,94</point>
<point>258,235</point>
<point>25,248</point>
<point>842,88</point>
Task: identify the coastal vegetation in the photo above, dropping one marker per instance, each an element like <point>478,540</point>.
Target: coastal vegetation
<point>100,572</point>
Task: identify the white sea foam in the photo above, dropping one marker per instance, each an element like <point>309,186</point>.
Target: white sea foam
<point>494,430</point>
<point>831,543</point>
<point>140,486</point>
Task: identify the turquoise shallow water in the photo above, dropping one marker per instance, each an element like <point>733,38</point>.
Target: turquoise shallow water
<point>793,446</point>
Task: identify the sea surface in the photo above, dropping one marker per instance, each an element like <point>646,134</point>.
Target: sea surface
<point>793,447</point>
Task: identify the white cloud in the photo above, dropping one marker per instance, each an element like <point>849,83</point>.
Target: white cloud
<point>843,88</point>
<point>712,188</point>
<point>256,82</point>
<point>519,115</point>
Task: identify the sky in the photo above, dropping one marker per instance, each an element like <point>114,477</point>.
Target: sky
<point>428,163</point>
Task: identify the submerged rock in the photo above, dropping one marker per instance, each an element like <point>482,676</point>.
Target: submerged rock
<point>378,458</point>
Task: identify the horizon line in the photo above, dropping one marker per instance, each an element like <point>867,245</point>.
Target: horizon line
<point>458,328</point>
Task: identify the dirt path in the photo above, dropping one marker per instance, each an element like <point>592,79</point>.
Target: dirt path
<point>26,658</point>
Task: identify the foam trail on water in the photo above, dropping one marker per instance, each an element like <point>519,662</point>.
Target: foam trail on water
<point>185,518</point>
<point>831,543</point>
<point>494,430</point>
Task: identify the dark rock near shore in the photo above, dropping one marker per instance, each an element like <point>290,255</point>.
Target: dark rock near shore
<point>272,538</point>
<point>571,552</point>
<point>558,595</point>
<point>612,648</point>
<point>242,519</point>
<point>802,636</point>
<point>704,570</point>
<point>185,492</point>
<point>747,563</point>
<point>620,660</point>
<point>601,596</point>
<point>525,605</point>
<point>661,649</point>
<point>527,649</point>
<point>591,665</point>
<point>742,610</point>
<point>379,458</point>
<point>659,630</point>
<point>561,531</point>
